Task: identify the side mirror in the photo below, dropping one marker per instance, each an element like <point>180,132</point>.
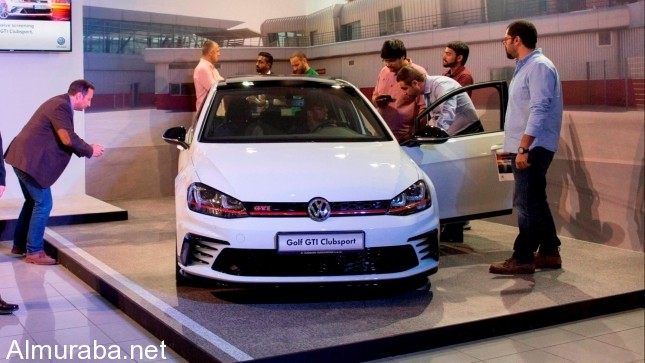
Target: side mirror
<point>176,136</point>
<point>427,135</point>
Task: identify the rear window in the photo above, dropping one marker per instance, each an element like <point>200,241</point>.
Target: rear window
<point>275,112</point>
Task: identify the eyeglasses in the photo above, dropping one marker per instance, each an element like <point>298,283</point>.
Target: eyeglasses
<point>507,38</point>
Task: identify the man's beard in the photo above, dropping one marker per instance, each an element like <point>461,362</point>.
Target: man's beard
<point>448,65</point>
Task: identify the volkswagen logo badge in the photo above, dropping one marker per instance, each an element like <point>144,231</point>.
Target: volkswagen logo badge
<point>319,209</point>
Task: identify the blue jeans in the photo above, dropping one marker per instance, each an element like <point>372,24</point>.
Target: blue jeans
<point>535,222</point>
<point>32,220</point>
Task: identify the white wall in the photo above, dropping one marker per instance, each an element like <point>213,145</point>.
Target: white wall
<point>30,78</point>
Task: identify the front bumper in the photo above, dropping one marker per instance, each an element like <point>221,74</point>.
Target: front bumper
<point>217,259</point>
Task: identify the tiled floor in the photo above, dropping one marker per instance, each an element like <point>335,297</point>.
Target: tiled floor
<point>611,338</point>
<point>57,311</point>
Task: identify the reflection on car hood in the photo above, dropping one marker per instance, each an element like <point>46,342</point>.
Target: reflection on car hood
<point>297,172</point>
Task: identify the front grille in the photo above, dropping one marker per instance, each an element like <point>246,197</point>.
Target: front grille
<point>379,260</point>
<point>354,208</point>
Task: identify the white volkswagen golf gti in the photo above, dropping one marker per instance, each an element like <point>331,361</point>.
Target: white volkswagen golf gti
<point>286,179</point>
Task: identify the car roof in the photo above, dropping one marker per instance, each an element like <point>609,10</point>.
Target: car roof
<point>283,79</point>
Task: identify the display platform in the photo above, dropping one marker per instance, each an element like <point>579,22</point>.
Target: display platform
<point>67,209</point>
<point>132,264</point>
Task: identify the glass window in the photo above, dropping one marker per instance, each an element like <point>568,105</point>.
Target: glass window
<point>390,21</point>
<point>291,114</point>
<point>351,31</point>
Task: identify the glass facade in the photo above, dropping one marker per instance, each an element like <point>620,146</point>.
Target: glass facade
<point>130,37</point>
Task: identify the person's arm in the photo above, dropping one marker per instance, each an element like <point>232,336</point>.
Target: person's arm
<point>542,85</point>
<point>522,160</point>
<point>465,79</point>
<point>447,109</point>
<point>376,93</point>
<point>203,78</point>
<point>62,122</point>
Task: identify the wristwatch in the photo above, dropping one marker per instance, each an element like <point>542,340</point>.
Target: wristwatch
<point>521,150</point>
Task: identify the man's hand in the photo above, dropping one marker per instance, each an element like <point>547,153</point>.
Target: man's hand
<point>382,100</point>
<point>522,161</point>
<point>97,150</point>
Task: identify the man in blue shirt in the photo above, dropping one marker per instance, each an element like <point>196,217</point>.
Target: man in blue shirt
<point>456,115</point>
<point>532,132</point>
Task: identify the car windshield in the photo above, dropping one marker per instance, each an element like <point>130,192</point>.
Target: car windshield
<point>290,111</point>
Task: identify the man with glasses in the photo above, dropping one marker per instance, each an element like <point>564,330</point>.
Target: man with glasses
<point>532,132</point>
<point>398,109</point>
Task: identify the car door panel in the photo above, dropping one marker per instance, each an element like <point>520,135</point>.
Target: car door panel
<point>464,172</point>
<point>464,168</point>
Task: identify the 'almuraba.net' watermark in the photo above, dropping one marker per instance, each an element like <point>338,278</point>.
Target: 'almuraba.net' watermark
<point>83,351</point>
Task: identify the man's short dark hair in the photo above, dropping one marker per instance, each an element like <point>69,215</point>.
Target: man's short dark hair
<point>525,30</point>
<point>80,85</point>
<point>408,74</point>
<point>393,49</point>
<point>266,55</point>
<point>461,49</point>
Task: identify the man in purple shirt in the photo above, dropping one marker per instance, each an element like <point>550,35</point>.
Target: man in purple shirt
<point>39,154</point>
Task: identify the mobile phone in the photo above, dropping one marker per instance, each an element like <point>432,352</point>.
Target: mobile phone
<point>384,98</point>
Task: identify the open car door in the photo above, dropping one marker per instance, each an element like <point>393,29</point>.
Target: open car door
<point>470,174</point>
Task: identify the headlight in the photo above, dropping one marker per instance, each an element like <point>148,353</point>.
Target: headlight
<point>206,200</point>
<point>412,200</point>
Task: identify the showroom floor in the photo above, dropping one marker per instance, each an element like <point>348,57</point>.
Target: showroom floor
<point>56,307</point>
<point>131,264</point>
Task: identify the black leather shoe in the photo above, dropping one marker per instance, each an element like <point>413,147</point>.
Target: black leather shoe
<point>6,308</point>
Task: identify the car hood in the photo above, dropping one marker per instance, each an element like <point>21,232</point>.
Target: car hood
<point>297,172</point>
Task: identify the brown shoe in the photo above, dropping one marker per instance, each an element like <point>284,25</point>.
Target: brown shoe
<point>18,251</point>
<point>40,258</point>
<point>512,267</point>
<point>548,261</point>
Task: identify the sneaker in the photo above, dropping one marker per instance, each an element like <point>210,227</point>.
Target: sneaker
<point>548,261</point>
<point>18,251</point>
<point>512,267</point>
<point>40,258</point>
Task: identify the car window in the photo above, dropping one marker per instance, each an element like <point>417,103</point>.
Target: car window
<point>482,111</point>
<point>487,103</point>
<point>284,113</point>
